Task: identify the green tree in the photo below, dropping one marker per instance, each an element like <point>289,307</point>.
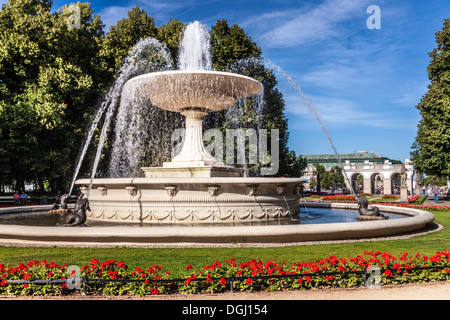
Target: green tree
<point>431,149</point>
<point>229,44</point>
<point>319,172</point>
<point>122,36</point>
<point>49,77</point>
<point>333,178</point>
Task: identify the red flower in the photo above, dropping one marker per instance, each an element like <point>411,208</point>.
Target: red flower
<point>388,273</point>
<point>222,281</point>
<point>249,281</point>
<point>154,291</point>
<point>189,267</point>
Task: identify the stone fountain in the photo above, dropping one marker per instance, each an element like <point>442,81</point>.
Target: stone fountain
<point>193,186</point>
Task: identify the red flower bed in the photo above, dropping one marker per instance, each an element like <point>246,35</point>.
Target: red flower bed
<point>340,272</point>
<point>331,198</point>
<point>417,206</point>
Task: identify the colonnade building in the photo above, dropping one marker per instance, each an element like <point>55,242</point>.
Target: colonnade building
<point>368,172</point>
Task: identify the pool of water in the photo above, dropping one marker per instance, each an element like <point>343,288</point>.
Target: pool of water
<point>307,216</point>
<point>325,215</point>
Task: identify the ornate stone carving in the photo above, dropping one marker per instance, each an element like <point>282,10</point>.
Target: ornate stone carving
<point>132,190</point>
<point>171,191</point>
<point>125,214</point>
<point>111,214</point>
<point>223,215</point>
<point>278,210</point>
<point>98,213</point>
<point>103,191</point>
<point>142,215</point>
<point>257,213</point>
<point>161,215</point>
<point>202,214</point>
<point>242,214</point>
<point>183,214</point>
<point>280,190</point>
<point>251,190</point>
<point>213,191</point>
<point>270,212</point>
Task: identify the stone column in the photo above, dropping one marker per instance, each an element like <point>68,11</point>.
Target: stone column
<point>367,185</point>
<point>387,186</point>
<point>404,194</point>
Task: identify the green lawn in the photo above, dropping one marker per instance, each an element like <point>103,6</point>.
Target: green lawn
<point>175,260</point>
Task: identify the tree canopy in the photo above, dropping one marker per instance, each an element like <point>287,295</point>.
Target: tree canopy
<point>431,149</point>
<point>49,79</point>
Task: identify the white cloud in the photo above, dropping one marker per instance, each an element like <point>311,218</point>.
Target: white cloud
<point>318,23</point>
<point>340,112</point>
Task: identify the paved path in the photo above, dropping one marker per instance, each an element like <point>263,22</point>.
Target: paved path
<point>442,201</point>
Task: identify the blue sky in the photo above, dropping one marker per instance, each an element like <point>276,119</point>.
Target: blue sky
<point>364,82</point>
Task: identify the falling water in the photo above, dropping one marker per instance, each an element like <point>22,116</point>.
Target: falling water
<point>316,115</point>
<point>247,113</point>
<point>138,125</point>
<point>141,58</point>
<point>195,48</point>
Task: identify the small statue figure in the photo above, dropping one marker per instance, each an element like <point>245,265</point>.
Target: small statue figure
<point>60,205</point>
<point>403,175</point>
<point>364,210</point>
<point>78,217</point>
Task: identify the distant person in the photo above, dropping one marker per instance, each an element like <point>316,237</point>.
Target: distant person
<point>436,193</point>
<point>16,198</point>
<point>58,197</point>
<point>24,198</point>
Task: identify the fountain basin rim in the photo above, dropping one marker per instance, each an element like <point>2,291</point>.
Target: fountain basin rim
<point>200,180</point>
<point>180,89</point>
<point>180,72</point>
<point>93,236</point>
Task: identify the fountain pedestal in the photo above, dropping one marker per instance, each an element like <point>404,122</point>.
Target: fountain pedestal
<point>193,160</point>
<point>404,194</point>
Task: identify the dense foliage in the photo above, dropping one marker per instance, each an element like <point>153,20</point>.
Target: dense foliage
<point>431,148</point>
<point>328,179</point>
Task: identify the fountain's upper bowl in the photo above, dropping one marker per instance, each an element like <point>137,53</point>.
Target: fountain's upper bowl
<point>180,90</point>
